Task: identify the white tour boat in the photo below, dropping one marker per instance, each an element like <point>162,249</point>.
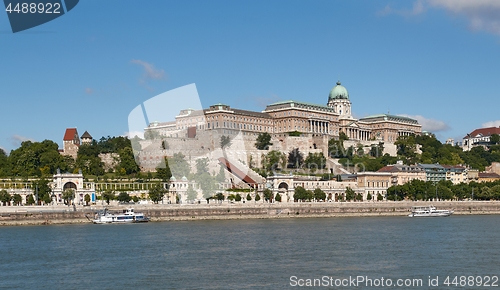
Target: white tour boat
<point>428,211</point>
<point>127,216</point>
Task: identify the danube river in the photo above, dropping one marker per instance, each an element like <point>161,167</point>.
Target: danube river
<point>334,253</point>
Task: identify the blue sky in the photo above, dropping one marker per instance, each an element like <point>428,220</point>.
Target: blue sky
<point>436,60</point>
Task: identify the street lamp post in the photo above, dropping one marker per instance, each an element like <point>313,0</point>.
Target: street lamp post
<point>435,183</point>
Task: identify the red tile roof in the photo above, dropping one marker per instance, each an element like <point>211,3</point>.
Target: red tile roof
<point>484,132</point>
<point>388,168</point>
<point>70,134</point>
<point>488,175</point>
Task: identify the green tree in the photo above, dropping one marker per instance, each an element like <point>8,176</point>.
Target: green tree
<point>178,165</point>
<point>127,161</point>
<point>380,197</point>
<point>30,200</point>
<point>43,190</point>
<point>277,197</point>
<point>157,192</point>
<point>204,179</point>
<point>31,157</point>
<point>5,197</point>
<point>17,199</point>
<point>151,135</point>
<point>273,161</point>
<point>225,142</point>
<point>494,139</point>
<point>315,161</point>
<point>108,195</point>
<point>268,195</point>
<point>369,196</point>
<point>349,194</point>
<point>5,167</point>
<point>191,193</point>
<point>220,196</point>
<point>319,194</point>
<point>202,165</point>
<point>249,197</point>
<point>221,176</point>
<point>377,150</point>
<point>165,145</point>
<point>336,147</point>
<point>68,195</point>
<point>237,197</point>
<point>302,194</point>
<point>406,149</point>
<point>87,199</point>
<point>263,141</point>
<point>257,197</point>
<point>295,159</point>
<point>123,197</point>
<point>163,171</point>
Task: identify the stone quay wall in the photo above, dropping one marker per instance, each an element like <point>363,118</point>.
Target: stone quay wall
<point>13,215</point>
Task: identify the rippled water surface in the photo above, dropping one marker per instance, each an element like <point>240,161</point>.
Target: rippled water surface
<point>248,254</point>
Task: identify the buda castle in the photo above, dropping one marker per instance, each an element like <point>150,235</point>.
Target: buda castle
<point>282,118</point>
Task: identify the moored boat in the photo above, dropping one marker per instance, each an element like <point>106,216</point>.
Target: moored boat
<point>127,216</point>
<point>429,211</point>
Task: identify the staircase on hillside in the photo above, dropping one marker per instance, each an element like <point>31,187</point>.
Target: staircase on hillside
<point>241,171</point>
<point>336,166</point>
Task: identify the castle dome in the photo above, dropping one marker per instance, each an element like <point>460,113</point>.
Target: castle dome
<point>338,92</point>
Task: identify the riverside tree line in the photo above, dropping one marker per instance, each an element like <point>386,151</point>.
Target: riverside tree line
<point>42,159</point>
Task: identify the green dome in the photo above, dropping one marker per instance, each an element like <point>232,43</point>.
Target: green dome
<point>338,92</point>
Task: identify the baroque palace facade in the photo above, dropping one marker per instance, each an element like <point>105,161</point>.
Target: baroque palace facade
<point>281,118</point>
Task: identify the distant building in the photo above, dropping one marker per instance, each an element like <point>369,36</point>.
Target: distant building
<point>456,173</point>
<point>86,138</point>
<point>401,173</point>
<point>493,168</point>
<point>488,177</point>
<point>75,182</point>
<point>373,184</point>
<point>309,125</point>
<point>479,137</point>
<point>284,117</point>
<point>71,143</point>
<point>433,172</point>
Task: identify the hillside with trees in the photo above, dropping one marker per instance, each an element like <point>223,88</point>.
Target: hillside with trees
<point>42,159</point>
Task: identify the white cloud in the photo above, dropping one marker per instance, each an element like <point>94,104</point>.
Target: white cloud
<point>480,14</point>
<point>16,140</point>
<point>492,124</point>
<point>418,8</point>
<point>150,72</point>
<point>430,125</point>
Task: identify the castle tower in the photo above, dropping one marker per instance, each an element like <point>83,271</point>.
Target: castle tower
<point>86,138</point>
<point>339,101</point>
<point>71,142</point>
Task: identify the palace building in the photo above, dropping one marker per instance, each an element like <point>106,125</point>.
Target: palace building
<point>281,118</point>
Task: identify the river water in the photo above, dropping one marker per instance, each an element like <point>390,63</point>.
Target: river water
<point>255,254</point>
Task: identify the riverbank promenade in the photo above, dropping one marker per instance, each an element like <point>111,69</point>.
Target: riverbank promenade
<point>60,214</point>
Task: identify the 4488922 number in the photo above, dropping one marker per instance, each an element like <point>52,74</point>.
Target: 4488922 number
<point>471,281</point>
<point>34,8</point>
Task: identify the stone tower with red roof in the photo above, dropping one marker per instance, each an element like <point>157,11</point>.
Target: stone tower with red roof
<point>71,142</point>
